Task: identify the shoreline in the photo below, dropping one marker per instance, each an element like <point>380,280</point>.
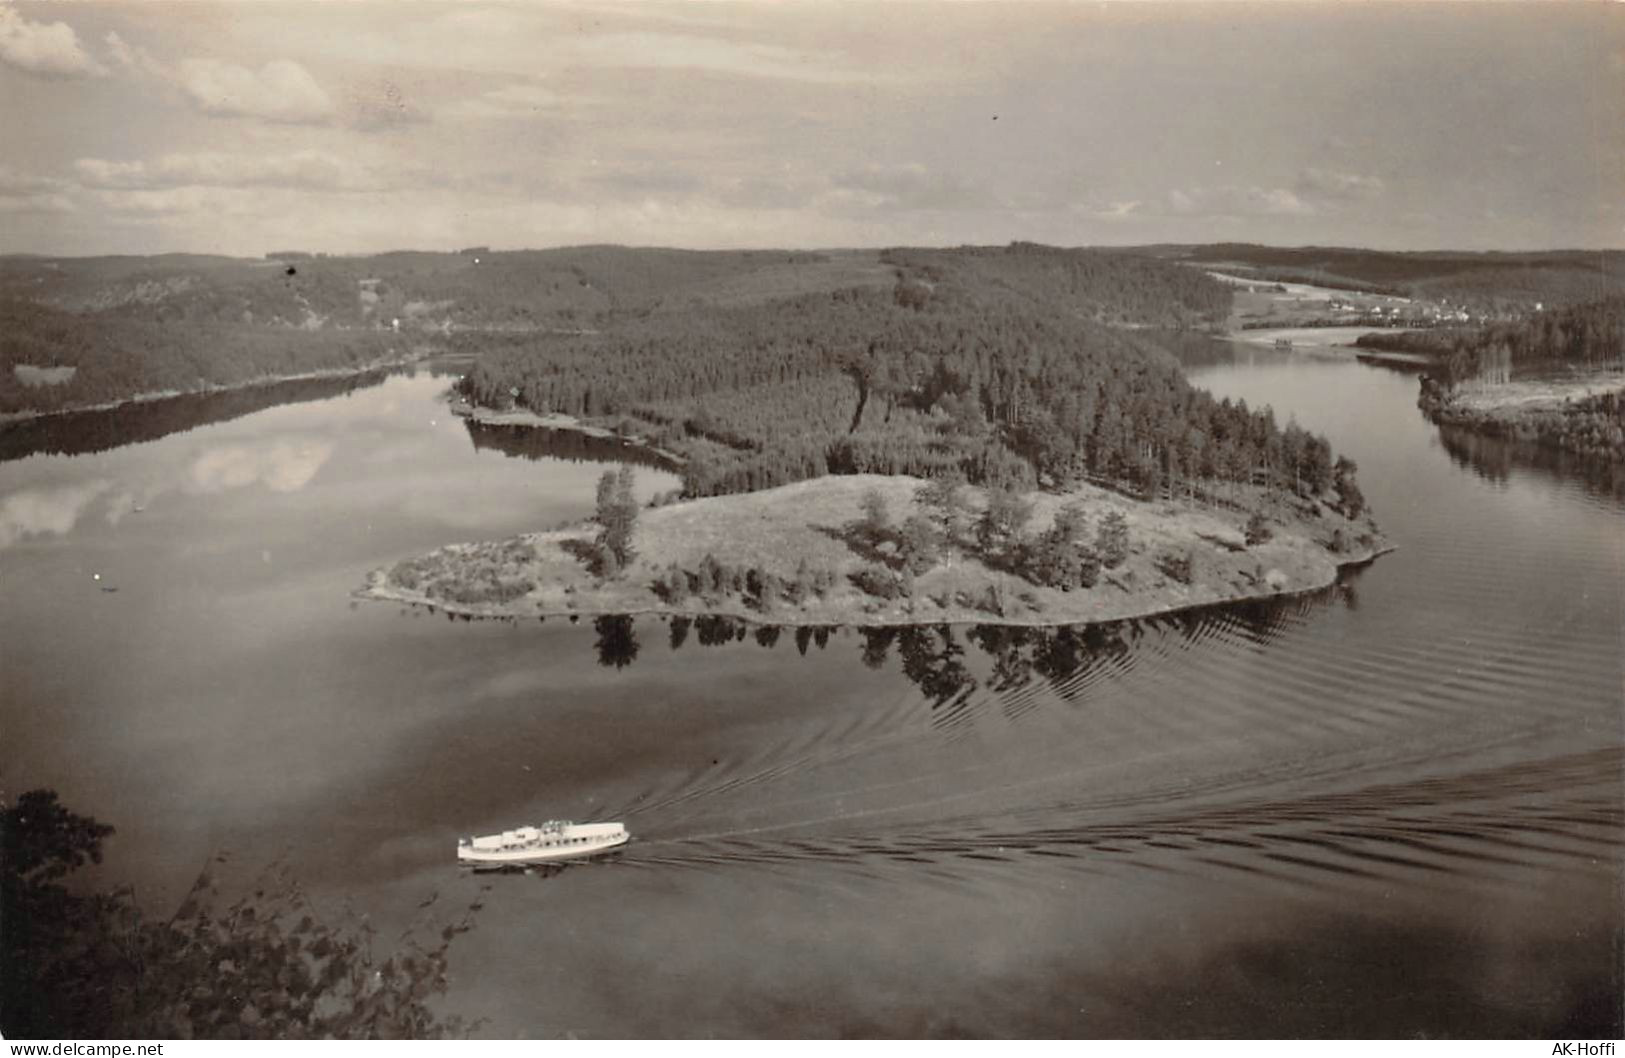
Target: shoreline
<point>1334,342</point>
<point>12,418</point>
<point>1537,412</point>
<point>376,593</point>
<point>540,575</point>
<point>526,419</point>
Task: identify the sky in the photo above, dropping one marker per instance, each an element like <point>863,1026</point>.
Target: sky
<point>244,128</point>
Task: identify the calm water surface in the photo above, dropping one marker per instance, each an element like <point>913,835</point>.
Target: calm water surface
<point>1393,808</point>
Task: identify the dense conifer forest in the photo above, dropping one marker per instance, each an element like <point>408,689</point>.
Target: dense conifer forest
<point>989,363</point>
<point>114,357</point>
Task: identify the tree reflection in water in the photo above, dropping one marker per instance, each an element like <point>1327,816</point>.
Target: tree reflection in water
<point>1494,458</point>
<point>617,642</point>
<point>949,664</point>
<point>540,442</point>
<point>84,432</point>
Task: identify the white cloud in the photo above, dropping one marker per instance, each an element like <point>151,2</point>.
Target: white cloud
<point>280,91</point>
<point>36,204</point>
<point>179,201</point>
<point>50,49</point>
<point>310,170</point>
<point>381,105</point>
<point>26,193</point>
<point>131,58</point>
<point>909,186</point>
<point>678,51</point>
<point>1330,184</point>
<point>1118,210</point>
<point>13,182</point>
<point>515,100</point>
<point>1229,201</point>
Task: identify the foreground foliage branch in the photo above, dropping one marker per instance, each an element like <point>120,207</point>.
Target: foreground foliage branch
<point>96,965</point>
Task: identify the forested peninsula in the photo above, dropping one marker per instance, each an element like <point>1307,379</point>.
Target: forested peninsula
<point>1554,379</point>
<point>987,434</point>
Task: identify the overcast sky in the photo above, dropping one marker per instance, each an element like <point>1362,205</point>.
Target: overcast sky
<point>239,128</point>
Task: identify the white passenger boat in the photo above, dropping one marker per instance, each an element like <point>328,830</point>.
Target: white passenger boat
<point>549,843</point>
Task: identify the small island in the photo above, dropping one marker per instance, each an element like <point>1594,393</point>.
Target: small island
<point>885,550</point>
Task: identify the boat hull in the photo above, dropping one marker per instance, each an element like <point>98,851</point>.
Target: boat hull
<point>527,857</point>
<point>535,854</point>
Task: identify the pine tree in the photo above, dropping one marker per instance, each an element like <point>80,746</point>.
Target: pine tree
<point>999,531</point>
<point>876,523</point>
<point>617,515</point>
<point>801,588</point>
<point>1349,497</point>
<point>1258,529</point>
<point>1111,540</point>
<point>921,543</point>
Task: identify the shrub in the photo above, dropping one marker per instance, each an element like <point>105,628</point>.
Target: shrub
<point>876,522</point>
<point>408,574</point>
<point>999,530</point>
<point>824,581</point>
<point>673,587</point>
<point>921,543</point>
<point>1111,540</point>
<point>881,583</point>
<point>1178,565</point>
<point>1258,530</point>
<point>800,589</point>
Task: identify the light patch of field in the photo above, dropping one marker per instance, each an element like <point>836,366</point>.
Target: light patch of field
<point>526,417</point>
<point>1300,291</point>
<point>1312,337</point>
<point>29,375</point>
<point>775,530</point>
<point>1537,394</point>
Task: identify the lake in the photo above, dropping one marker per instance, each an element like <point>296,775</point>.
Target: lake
<point>1391,808</point>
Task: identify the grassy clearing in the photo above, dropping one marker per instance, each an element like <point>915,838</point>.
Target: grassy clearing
<point>776,530</point>
<point>1538,394</point>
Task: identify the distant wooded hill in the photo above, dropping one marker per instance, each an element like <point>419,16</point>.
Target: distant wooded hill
<point>475,288</point>
<point>1483,282</point>
<point>132,325</point>
<point>185,322</point>
<point>1009,365</point>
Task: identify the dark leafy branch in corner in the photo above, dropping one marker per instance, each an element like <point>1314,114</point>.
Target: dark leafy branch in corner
<point>96,965</point>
